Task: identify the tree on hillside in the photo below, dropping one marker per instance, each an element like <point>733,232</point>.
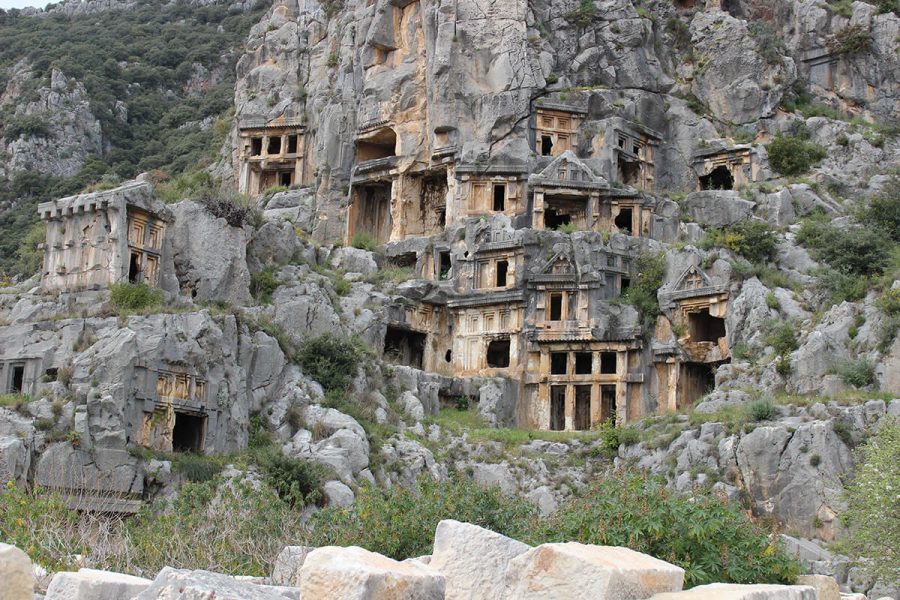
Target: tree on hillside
<point>873,505</point>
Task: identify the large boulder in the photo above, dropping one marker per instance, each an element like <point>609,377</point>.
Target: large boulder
<point>210,255</point>
<point>333,573</point>
<point>733,591</point>
<point>473,559</point>
<point>573,571</point>
<point>15,458</point>
<point>717,208</point>
<point>826,586</point>
<point>179,584</point>
<point>15,573</point>
<point>89,584</point>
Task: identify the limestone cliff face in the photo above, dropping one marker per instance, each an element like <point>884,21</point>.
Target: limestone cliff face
<point>71,132</point>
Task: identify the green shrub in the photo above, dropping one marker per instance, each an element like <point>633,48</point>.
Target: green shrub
<point>852,251</point>
<point>768,42</point>
<point>858,373</point>
<point>263,285</point>
<point>400,522</point>
<point>30,256</point>
<point>651,271</point>
<point>793,156</point>
<point>852,39</point>
<point>772,301</point>
<point>712,540</point>
<point>26,125</point>
<point>782,336</point>
<point>296,481</point>
<point>133,296</point>
<point>330,360</point>
<point>363,241</point>
<point>889,302</point>
<point>342,287</point>
<point>761,410</point>
<point>195,467</point>
<point>754,240</point>
<point>584,14</point>
<point>815,460</point>
<point>838,286</point>
<point>41,526</point>
<point>883,211</point>
<point>873,513</point>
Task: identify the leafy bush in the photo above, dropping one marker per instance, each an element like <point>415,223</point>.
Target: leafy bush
<point>853,251</point>
<point>873,512</point>
<point>761,410</point>
<point>709,538</point>
<point>133,296</point>
<point>651,271</point>
<point>30,256</point>
<point>754,240</point>
<point>330,360</point>
<point>584,14</point>
<point>793,156</point>
<point>363,241</point>
<point>195,467</point>
<point>768,42</point>
<point>263,285</point>
<point>858,373</point>
<point>782,336</point>
<point>29,126</point>
<point>400,522</point>
<point>296,481</point>
<point>852,39</point>
<point>883,211</point>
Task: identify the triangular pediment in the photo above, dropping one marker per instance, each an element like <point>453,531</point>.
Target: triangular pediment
<point>560,264</point>
<point>693,278</point>
<point>568,167</point>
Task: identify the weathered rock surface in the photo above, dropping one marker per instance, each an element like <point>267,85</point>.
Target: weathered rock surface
<point>286,571</point>
<point>176,584</point>
<point>573,571</point>
<point>472,559</point>
<point>15,573</point>
<point>729,591</point>
<point>90,584</point>
<point>333,573</point>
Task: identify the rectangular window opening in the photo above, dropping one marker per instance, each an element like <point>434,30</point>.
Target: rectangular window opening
<point>292,144</point>
<point>608,403</point>
<point>556,306</point>
<point>445,266</point>
<point>285,178</point>
<point>255,146</point>
<point>498,354</point>
<point>546,145</point>
<point>502,270</point>
<point>187,435</point>
<point>274,145</point>
<point>499,197</point>
<point>607,363</point>
<point>559,362</point>
<point>584,363</point>
<point>17,379</point>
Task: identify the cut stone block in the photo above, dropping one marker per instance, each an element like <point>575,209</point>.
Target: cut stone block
<point>15,574</point>
<point>734,591</point>
<point>573,571</point>
<point>89,584</point>
<point>473,559</point>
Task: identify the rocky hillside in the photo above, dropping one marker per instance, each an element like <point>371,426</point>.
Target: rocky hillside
<point>530,247</point>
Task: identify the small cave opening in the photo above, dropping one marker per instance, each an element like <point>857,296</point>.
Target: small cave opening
<point>555,220</point>
<point>187,435</point>
<point>498,354</point>
<point>624,220</point>
<point>629,171</point>
<point>705,328</point>
<point>718,179</point>
<point>404,346</point>
<point>445,266</point>
<point>381,144</point>
<point>17,379</point>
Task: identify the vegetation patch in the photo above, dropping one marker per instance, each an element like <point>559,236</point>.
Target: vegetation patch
<point>331,360</point>
<point>133,296</point>
<point>651,271</point>
<point>793,156</point>
<point>754,240</point>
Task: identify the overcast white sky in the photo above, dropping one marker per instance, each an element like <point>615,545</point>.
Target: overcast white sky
<point>23,3</point>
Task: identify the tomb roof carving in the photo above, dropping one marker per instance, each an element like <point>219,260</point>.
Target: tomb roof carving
<point>561,106</point>
<point>692,283</point>
<point>137,194</point>
<point>568,171</point>
<point>278,123</point>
